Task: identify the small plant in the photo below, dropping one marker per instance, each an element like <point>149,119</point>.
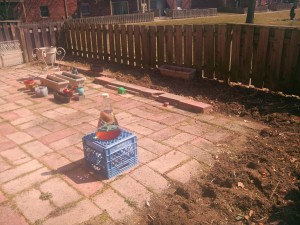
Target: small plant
<point>45,196</point>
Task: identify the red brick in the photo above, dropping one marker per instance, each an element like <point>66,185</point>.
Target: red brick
<point>66,142</point>
<point>9,115</point>
<point>6,128</point>
<point>9,216</point>
<point>55,161</point>
<point>55,136</point>
<point>164,134</point>
<point>179,139</point>
<point>16,156</point>
<point>145,156</point>
<point>2,199</point>
<point>53,126</point>
<point>37,131</point>
<point>153,146</point>
<point>138,129</point>
<point>8,107</point>
<point>19,137</point>
<point>36,149</point>
<point>72,153</point>
<point>8,144</point>
<point>3,165</point>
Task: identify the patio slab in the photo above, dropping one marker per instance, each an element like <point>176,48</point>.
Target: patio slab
<point>41,151</point>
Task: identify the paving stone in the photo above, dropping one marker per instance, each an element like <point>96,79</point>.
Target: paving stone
<point>132,190</point>
<point>65,110</point>
<point>151,124</point>
<point>114,204</point>
<point>21,120</point>
<point>167,161</point>
<point>52,114</point>
<point>221,121</point>
<point>7,144</point>
<point>138,129</point>
<point>239,129</point>
<point>62,193</point>
<point>10,116</point>
<point>252,125</point>
<point>37,131</point>
<point>19,137</point>
<point>8,107</point>
<point>36,149</point>
<point>206,145</point>
<point>53,126</point>
<point>218,135</point>
<point>32,207</point>
<point>24,182</point>
<point>85,128</point>
<point>80,213</point>
<point>24,102</point>
<point>9,216</point>
<point>19,170</point>
<point>66,142</point>
<point>128,120</point>
<point>83,181</point>
<point>195,127</point>
<point>15,156</point>
<point>145,156</point>
<point>36,122</point>
<point>3,165</point>
<point>164,134</point>
<point>197,153</point>
<point>186,171</point>
<point>73,153</point>
<point>2,198</point>
<point>55,161</point>
<point>58,135</point>
<point>173,119</point>
<point>149,178</point>
<point>153,146</point>
<point>141,113</point>
<point>179,139</point>
<point>6,128</point>
<point>81,120</point>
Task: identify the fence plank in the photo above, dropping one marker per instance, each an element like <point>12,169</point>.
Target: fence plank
<point>94,42</point>
<point>188,46</point>
<point>130,45</point>
<point>137,55</point>
<point>77,29</point>
<point>99,41</point>
<point>52,34</point>
<point>118,43</point>
<point>160,45</point>
<point>6,32</point>
<point>124,44</point>
<point>28,42</point>
<point>105,43</point>
<point>153,50</point>
<point>169,44</point>
<point>209,49</point>
<point>1,32</point>
<point>13,31</point>
<point>178,44</point>
<point>68,37</point>
<point>83,39</point>
<point>235,56</point>
<point>145,46</point>
<point>111,43</point>
<point>274,59</point>
<point>198,48</point>
<point>20,33</point>
<point>36,37</point>
<point>75,40</point>
<point>260,58</point>
<point>45,38</point>
<point>88,40</point>
<point>289,69</point>
<point>247,35</point>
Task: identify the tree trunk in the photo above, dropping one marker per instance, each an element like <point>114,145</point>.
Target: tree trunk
<point>250,12</point>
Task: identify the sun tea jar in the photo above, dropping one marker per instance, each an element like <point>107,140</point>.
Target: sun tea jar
<point>108,127</point>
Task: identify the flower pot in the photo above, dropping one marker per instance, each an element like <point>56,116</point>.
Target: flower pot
<point>47,54</point>
<point>41,91</point>
<point>61,97</point>
<point>176,71</point>
<point>29,83</point>
<point>80,91</point>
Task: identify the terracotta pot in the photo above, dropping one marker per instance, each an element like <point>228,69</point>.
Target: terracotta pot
<point>29,84</point>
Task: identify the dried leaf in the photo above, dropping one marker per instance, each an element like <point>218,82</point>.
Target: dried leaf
<point>241,185</point>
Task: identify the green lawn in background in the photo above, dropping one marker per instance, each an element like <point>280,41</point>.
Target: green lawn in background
<point>281,18</point>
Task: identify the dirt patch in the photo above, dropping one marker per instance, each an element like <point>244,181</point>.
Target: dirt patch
<point>259,184</point>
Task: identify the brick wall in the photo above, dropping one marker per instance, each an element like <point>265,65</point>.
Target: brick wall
<point>56,9</point>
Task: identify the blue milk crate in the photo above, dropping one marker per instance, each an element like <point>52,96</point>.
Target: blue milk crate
<point>111,157</point>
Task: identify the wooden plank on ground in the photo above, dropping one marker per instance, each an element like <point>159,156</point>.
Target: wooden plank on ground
<point>130,45</point>
<point>169,45</point>
<point>118,43</point>
<point>198,48</point>
<point>178,44</point>
<point>124,44</point>
<point>136,50</point>
<point>94,40</point>
<point>153,46</point>
<point>246,53</point>
<point>112,52</point>
<point>209,51</point>
<point>160,45</point>
<point>274,60</point>
<point>99,41</point>
<point>260,58</point>
<point>235,55</point>
<point>188,46</point>
<point>145,46</point>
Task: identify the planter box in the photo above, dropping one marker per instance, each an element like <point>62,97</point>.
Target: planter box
<point>54,82</point>
<point>176,71</point>
<point>61,98</point>
<point>74,80</point>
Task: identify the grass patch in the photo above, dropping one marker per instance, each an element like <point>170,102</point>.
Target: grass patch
<point>45,196</point>
<point>280,18</point>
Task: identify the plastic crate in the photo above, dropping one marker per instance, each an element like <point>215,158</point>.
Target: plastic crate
<point>112,157</point>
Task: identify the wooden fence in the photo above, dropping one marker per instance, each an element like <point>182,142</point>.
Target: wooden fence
<point>279,6</point>
<point>9,30</point>
<point>187,13</point>
<point>263,56</point>
<point>118,19</point>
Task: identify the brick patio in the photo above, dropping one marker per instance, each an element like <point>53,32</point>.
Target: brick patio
<point>41,152</point>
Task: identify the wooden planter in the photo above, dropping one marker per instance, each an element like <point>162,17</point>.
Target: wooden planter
<point>74,80</point>
<point>176,71</point>
<point>61,97</point>
<point>54,82</point>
